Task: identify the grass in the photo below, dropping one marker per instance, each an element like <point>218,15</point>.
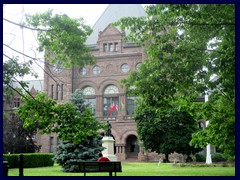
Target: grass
<point>135,169</point>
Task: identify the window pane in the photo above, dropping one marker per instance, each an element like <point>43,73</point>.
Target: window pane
<point>110,106</point>
<point>111,90</point>
<point>89,91</point>
<point>116,46</point>
<point>110,47</point>
<point>96,70</point>
<point>92,104</point>
<point>130,106</point>
<point>105,47</point>
<point>125,68</point>
<point>83,71</point>
<point>51,144</point>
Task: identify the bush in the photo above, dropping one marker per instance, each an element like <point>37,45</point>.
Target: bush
<point>218,157</point>
<point>30,160</point>
<point>69,154</point>
<point>200,158</point>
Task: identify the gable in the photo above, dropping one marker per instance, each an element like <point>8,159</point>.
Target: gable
<point>109,31</point>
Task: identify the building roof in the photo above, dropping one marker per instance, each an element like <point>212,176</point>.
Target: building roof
<point>113,13</point>
<point>37,84</point>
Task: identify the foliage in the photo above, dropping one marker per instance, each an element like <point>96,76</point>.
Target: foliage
<point>13,69</point>
<point>16,138</point>
<point>172,133</point>
<point>62,38</point>
<point>204,165</point>
<point>69,154</point>
<point>200,158</point>
<point>218,157</point>
<point>186,45</point>
<point>31,160</point>
<point>64,119</point>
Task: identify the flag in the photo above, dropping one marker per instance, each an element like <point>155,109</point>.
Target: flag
<point>111,109</point>
<point>122,107</point>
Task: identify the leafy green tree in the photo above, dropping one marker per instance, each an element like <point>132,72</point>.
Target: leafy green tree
<point>186,45</point>
<point>62,38</point>
<point>65,119</point>
<point>166,133</point>
<point>73,122</point>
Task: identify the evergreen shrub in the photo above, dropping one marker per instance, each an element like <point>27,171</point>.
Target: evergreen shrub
<point>30,160</point>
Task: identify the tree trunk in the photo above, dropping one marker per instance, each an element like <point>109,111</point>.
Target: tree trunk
<point>166,158</point>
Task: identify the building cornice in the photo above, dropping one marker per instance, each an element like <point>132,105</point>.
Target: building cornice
<point>118,55</point>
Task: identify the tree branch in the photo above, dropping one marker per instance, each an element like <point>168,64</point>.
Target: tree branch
<point>24,88</point>
<point>23,26</point>
<point>35,62</point>
<point>17,91</point>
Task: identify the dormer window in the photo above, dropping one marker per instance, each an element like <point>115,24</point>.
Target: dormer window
<point>115,46</point>
<point>111,47</point>
<point>105,48</point>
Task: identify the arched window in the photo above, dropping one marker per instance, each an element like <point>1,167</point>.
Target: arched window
<point>111,101</point>
<point>90,98</point>
<point>88,91</point>
<point>111,89</point>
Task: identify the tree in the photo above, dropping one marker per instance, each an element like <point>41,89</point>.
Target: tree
<point>16,138</point>
<point>165,133</point>
<point>62,39</point>
<point>65,119</point>
<point>69,154</point>
<point>186,46</point>
<point>73,122</point>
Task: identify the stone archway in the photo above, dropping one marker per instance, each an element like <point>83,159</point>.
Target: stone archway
<point>132,147</point>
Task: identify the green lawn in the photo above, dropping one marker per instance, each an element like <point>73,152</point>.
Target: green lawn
<point>135,169</point>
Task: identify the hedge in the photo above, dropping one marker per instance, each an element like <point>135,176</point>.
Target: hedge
<point>30,160</point>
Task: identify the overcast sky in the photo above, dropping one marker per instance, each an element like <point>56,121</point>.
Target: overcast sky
<point>25,41</point>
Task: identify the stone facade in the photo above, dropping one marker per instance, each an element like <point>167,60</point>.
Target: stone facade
<point>115,59</point>
<point>110,62</point>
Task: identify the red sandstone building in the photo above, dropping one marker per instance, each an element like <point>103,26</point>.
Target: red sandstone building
<point>115,58</point>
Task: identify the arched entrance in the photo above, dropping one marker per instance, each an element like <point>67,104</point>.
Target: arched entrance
<point>132,147</point>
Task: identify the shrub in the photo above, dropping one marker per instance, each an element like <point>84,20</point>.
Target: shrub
<point>200,158</point>
<point>218,157</point>
<point>69,154</point>
<point>30,160</point>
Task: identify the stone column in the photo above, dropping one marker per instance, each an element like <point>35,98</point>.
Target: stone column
<point>99,110</point>
<point>120,152</point>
